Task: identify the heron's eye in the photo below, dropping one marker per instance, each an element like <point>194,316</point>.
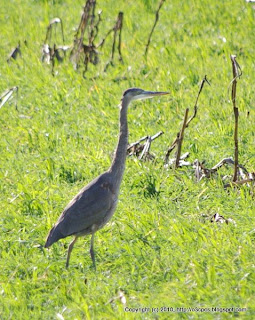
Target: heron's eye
<point>133,91</point>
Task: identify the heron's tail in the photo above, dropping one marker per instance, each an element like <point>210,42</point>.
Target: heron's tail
<point>53,236</point>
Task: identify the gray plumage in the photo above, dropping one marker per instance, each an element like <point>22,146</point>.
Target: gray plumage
<point>95,204</point>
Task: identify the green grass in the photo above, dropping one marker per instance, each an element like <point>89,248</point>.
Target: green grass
<point>160,247</point>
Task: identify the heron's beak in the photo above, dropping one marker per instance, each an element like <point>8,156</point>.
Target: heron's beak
<point>150,94</point>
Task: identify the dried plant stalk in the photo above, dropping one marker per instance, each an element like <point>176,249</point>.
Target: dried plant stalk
<point>53,22</point>
<point>173,145</point>
<point>236,74</point>
<point>117,28</point>
<point>7,95</point>
<point>154,25</point>
<point>79,47</point>
<point>180,139</point>
<point>50,51</point>
<point>195,106</point>
<point>134,144</point>
<point>202,172</point>
<point>146,149</point>
<point>14,53</point>
<point>142,150</point>
<point>238,183</point>
<point>156,135</point>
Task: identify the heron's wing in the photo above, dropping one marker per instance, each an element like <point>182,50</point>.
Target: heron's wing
<point>89,207</point>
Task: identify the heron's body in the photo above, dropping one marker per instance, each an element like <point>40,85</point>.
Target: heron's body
<point>95,204</point>
<point>87,213</point>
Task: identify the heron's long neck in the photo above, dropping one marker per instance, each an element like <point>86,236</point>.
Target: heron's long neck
<point>118,163</point>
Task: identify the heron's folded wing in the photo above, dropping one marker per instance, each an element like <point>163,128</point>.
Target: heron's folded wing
<point>89,207</point>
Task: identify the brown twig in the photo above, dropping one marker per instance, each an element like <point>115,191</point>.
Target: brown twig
<point>146,149</point>
<point>46,53</point>
<point>50,51</point>
<point>14,53</point>
<point>236,74</point>
<point>202,172</point>
<point>53,22</point>
<point>180,139</point>
<point>95,34</point>
<point>227,161</point>
<point>142,150</point>
<point>220,219</point>
<point>117,28</point>
<point>89,49</point>
<point>173,145</point>
<point>7,96</point>
<point>198,171</point>
<point>182,161</point>
<point>195,106</point>
<point>154,25</point>
<point>238,183</point>
<point>156,135</point>
<point>134,144</point>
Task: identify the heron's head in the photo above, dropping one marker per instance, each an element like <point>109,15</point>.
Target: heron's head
<point>138,94</point>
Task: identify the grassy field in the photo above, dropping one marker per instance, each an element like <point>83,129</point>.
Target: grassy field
<point>160,248</point>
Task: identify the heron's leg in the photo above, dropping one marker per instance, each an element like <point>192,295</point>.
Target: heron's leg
<point>92,253</point>
<point>70,248</point>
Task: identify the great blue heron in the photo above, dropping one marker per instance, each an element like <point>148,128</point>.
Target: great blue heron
<point>95,204</point>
